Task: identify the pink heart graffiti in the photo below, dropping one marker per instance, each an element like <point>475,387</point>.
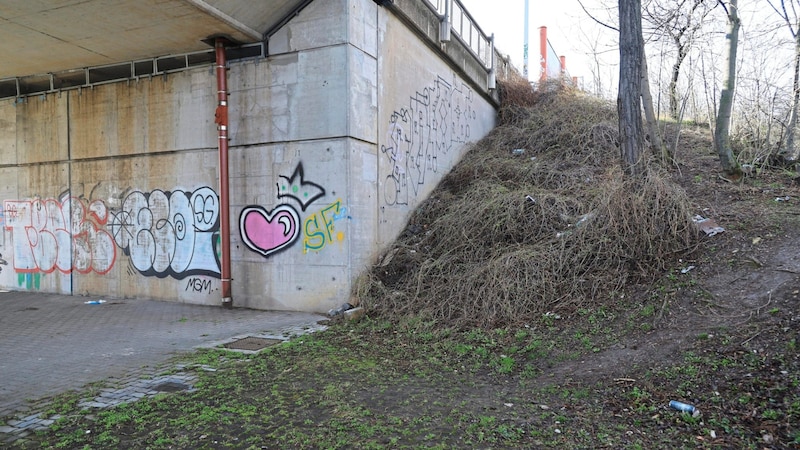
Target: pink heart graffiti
<point>268,232</point>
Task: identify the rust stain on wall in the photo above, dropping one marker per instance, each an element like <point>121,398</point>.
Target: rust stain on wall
<point>42,129</point>
<point>123,119</point>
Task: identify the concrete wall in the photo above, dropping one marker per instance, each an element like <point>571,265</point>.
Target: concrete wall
<point>335,138</point>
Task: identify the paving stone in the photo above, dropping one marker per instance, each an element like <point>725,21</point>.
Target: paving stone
<point>95,405</point>
<point>127,372</point>
<point>41,425</point>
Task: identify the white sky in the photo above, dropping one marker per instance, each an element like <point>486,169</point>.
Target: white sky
<point>575,35</point>
<point>569,29</point>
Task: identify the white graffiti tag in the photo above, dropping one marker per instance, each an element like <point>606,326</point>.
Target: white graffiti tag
<point>169,233</point>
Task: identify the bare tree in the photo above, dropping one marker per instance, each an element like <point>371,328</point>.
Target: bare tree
<point>593,43</point>
<point>722,139</point>
<point>793,23</point>
<point>658,147</point>
<point>631,55</point>
<point>681,21</point>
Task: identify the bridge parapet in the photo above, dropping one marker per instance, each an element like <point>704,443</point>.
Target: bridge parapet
<point>448,27</point>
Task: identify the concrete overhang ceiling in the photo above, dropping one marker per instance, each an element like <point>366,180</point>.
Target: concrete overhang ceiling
<point>42,36</point>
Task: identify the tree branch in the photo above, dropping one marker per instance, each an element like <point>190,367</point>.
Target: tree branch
<point>596,19</point>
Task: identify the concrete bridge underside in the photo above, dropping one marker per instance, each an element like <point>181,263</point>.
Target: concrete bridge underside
<point>52,35</point>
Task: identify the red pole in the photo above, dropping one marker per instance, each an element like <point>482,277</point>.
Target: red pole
<point>543,52</point>
<point>563,65</point>
<point>221,119</point>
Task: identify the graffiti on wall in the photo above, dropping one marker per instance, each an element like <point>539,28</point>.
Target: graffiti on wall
<point>66,235</point>
<point>297,188</point>
<point>437,119</point>
<point>198,285</point>
<point>169,233</point>
<point>319,228</point>
<point>163,233</point>
<point>269,232</point>
<point>29,280</point>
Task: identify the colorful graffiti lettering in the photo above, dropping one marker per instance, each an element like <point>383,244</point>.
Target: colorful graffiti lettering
<point>29,280</point>
<point>169,233</point>
<point>51,235</point>
<point>319,228</point>
<point>269,232</point>
<point>437,119</point>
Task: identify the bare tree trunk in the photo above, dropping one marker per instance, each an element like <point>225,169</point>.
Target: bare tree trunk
<point>673,82</point>
<point>711,101</point>
<point>658,147</point>
<point>722,139</point>
<point>629,104</point>
<point>793,152</point>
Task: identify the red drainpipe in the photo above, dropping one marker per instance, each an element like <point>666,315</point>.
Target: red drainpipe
<point>221,119</point>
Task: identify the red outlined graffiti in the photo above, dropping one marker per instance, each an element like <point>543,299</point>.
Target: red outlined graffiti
<point>49,235</point>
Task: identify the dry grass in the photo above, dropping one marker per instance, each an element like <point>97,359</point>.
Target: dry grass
<point>509,237</point>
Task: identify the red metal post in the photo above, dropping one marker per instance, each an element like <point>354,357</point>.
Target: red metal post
<point>221,119</point>
<point>543,53</point>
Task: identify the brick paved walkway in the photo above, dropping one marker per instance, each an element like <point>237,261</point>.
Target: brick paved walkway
<point>50,344</point>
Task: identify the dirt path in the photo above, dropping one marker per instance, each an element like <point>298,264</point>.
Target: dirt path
<point>749,284</point>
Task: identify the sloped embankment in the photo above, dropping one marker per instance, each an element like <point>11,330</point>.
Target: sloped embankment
<point>538,218</point>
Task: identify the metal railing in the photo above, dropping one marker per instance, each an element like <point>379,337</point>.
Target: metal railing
<point>465,28</point>
<point>110,73</point>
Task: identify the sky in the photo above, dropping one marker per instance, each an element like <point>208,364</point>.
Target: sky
<point>574,34</point>
<point>570,31</point>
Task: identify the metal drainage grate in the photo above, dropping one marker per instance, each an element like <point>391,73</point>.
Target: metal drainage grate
<point>251,343</point>
<point>171,386</point>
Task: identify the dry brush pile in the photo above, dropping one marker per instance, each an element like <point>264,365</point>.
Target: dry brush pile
<point>508,237</point>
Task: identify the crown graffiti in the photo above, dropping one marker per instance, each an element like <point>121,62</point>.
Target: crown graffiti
<point>297,188</point>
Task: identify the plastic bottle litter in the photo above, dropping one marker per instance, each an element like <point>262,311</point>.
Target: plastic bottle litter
<point>94,302</point>
<point>518,151</point>
<point>684,407</point>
